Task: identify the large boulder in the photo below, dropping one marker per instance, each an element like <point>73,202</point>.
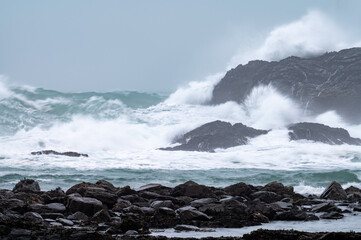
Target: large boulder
<point>334,192</point>
<point>192,189</point>
<point>86,205</point>
<point>217,134</point>
<point>27,185</point>
<point>323,83</point>
<point>321,133</point>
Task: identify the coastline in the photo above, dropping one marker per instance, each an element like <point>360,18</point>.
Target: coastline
<point>101,210</point>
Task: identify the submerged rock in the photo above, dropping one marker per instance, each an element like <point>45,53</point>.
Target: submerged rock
<point>217,134</point>
<point>321,133</point>
<point>52,152</point>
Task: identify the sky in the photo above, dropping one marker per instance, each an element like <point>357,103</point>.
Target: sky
<point>142,45</point>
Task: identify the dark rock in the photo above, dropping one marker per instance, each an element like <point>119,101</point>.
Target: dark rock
<point>278,188</point>
<point>13,204</point>
<point>239,189</point>
<point>188,214</point>
<point>55,196</point>
<point>187,228</point>
<point>164,218</point>
<point>65,222</point>
<point>28,197</point>
<point>52,215</point>
<point>79,216</point>
<point>334,192</point>
<point>121,204</point>
<point>125,191</point>
<point>259,218</point>
<point>131,233</point>
<point>321,133</point>
<point>212,209</point>
<point>6,194</point>
<point>266,196</point>
<point>134,222</point>
<point>27,185</point>
<point>52,152</point>
<point>319,84</point>
<point>158,204</point>
<point>192,189</point>
<point>102,190</point>
<point>292,215</point>
<point>352,190</point>
<point>147,210</point>
<point>325,207</point>
<point>18,232</point>
<point>33,217</point>
<point>101,216</point>
<point>203,201</point>
<point>56,207</point>
<point>217,134</point>
<point>89,206</point>
<point>332,215</point>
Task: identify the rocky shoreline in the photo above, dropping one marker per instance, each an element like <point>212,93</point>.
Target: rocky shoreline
<point>102,211</point>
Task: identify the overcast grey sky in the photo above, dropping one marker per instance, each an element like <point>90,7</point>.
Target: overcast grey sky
<point>158,45</point>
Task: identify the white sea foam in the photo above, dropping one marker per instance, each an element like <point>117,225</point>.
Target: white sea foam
<point>196,92</point>
<point>5,92</point>
<point>313,34</point>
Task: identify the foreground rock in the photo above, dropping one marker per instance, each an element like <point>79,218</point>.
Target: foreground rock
<point>52,152</point>
<point>321,133</point>
<point>319,84</point>
<point>214,135</point>
<point>102,211</point>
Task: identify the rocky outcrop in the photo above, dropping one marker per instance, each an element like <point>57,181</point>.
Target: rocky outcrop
<point>186,207</point>
<point>217,134</point>
<point>52,152</point>
<point>328,82</point>
<point>334,192</point>
<point>321,133</point>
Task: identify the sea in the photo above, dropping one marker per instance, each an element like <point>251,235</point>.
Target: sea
<point>122,132</point>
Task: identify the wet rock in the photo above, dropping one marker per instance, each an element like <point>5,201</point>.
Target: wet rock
<point>332,215</point>
<point>212,209</point>
<point>266,196</point>
<point>321,133</point>
<point>325,207</point>
<point>54,196</point>
<point>259,218</point>
<point>56,207</point>
<point>13,204</point>
<point>187,228</point>
<point>164,218</point>
<point>188,214</point>
<point>134,222</point>
<point>278,188</point>
<point>101,216</point>
<point>291,215</point>
<point>131,233</point>
<point>352,190</point>
<point>6,194</point>
<point>52,152</point>
<point>147,211</point>
<point>33,217</point>
<point>121,204</point>
<point>18,232</point>
<point>192,189</point>
<point>334,192</point>
<point>89,206</point>
<point>239,189</point>
<point>65,222</point>
<point>217,134</point>
<point>52,215</point>
<point>158,204</point>
<point>78,216</point>
<point>203,201</point>
<point>27,185</point>
<point>125,191</point>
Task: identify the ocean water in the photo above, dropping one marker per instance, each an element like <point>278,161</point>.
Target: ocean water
<point>121,132</point>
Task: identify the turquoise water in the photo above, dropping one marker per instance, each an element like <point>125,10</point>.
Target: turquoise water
<point>121,132</point>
